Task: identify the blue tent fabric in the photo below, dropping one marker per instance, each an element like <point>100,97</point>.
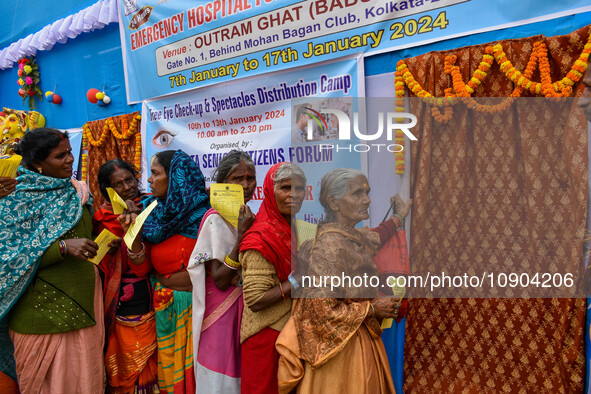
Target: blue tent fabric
<point>21,17</point>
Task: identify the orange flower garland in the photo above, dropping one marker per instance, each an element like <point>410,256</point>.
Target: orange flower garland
<point>546,87</point>
<point>137,160</point>
<point>84,166</point>
<point>93,142</point>
<point>461,91</point>
<point>400,166</point>
<point>127,131</point>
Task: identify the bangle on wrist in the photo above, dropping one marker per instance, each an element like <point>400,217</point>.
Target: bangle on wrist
<point>63,247</point>
<point>228,262</point>
<point>282,292</point>
<point>399,216</point>
<point>293,281</point>
<point>138,255</point>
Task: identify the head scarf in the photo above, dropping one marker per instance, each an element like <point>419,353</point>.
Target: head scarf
<point>33,217</point>
<point>270,234</point>
<point>186,202</point>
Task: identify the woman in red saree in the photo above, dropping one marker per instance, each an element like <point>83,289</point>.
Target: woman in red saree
<point>266,256</point>
<point>131,360</point>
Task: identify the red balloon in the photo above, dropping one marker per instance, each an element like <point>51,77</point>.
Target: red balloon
<point>31,92</point>
<point>91,95</point>
<point>57,99</point>
<point>21,92</point>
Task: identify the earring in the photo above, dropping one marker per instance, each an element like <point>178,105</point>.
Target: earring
<point>40,170</point>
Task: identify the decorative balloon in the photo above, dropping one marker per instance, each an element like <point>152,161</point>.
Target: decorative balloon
<point>91,95</point>
<point>53,97</point>
<point>97,97</point>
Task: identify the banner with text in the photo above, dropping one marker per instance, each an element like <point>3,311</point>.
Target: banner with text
<point>254,115</point>
<point>169,47</point>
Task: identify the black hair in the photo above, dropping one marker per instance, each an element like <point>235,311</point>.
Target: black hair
<point>37,144</point>
<point>230,162</point>
<point>164,158</point>
<point>105,171</point>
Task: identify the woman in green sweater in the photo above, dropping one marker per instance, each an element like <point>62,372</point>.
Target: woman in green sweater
<point>50,296</point>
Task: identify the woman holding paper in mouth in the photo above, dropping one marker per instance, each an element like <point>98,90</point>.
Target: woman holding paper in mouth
<point>50,295</point>
<point>332,341</point>
<point>169,234</point>
<point>129,316</point>
<point>217,285</point>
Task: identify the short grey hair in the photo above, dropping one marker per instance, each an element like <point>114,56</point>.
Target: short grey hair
<point>335,183</point>
<point>230,162</point>
<point>287,171</point>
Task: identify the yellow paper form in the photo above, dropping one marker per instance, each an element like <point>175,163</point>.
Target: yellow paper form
<point>399,292</point>
<point>305,231</point>
<point>103,240</point>
<point>135,228</point>
<point>117,202</point>
<point>226,198</point>
<point>9,165</point>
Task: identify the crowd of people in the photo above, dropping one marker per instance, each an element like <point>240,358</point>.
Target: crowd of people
<point>195,304</point>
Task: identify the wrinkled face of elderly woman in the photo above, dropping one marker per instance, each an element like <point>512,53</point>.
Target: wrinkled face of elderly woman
<point>59,163</point>
<point>289,195</point>
<point>124,183</point>
<point>353,207</point>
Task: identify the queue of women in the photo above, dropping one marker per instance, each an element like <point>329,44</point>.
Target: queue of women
<point>194,304</point>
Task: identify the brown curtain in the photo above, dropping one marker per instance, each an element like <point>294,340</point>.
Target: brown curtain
<point>493,188</point>
<point>113,148</point>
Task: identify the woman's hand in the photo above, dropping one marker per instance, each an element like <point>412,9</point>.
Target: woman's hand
<point>222,275</point>
<point>402,208</point>
<point>114,245</point>
<point>128,216</point>
<point>245,220</point>
<point>179,281</point>
<point>81,248</point>
<point>7,186</point>
<point>384,308</point>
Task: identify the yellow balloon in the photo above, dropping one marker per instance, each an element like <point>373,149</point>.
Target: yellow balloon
<point>100,95</point>
<point>48,93</point>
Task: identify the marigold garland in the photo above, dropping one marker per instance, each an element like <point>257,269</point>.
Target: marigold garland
<point>84,166</point>
<point>127,132</point>
<point>462,92</point>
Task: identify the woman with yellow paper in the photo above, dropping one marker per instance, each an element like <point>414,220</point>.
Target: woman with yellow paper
<point>217,286</point>
<point>169,235</point>
<point>332,341</point>
<point>129,316</point>
<point>50,295</point>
